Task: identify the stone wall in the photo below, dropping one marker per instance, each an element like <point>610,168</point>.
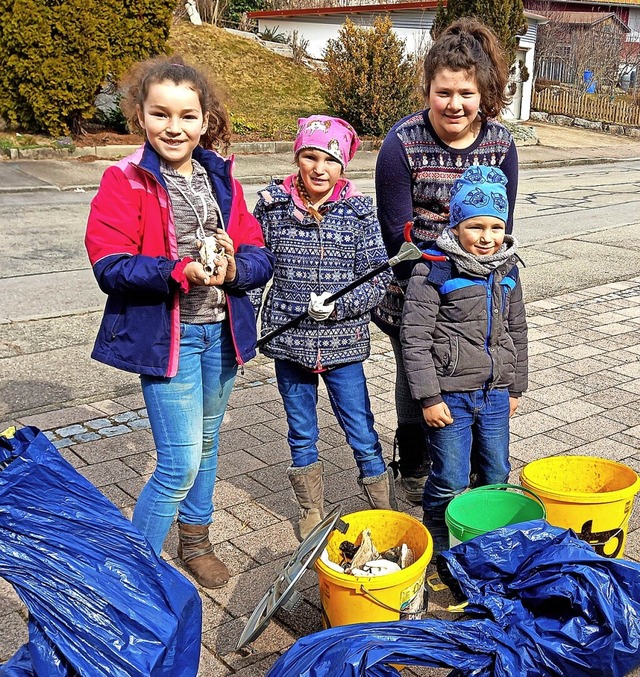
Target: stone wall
<point>568,121</point>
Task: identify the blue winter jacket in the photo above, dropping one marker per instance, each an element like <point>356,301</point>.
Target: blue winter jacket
<point>321,257</point>
<point>132,246</point>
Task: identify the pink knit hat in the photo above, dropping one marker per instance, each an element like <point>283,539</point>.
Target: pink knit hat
<point>331,135</point>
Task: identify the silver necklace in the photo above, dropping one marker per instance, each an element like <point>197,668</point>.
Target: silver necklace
<point>200,232</point>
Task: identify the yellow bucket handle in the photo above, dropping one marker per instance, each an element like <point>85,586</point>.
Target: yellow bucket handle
<point>519,488</point>
<point>379,602</point>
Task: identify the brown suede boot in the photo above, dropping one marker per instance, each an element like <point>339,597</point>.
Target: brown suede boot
<point>308,486</point>
<point>196,552</point>
<point>380,490</point>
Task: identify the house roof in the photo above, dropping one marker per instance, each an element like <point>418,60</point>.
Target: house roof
<point>365,8</point>
<point>591,3</point>
<point>346,9</point>
<point>591,19</point>
<point>614,3</point>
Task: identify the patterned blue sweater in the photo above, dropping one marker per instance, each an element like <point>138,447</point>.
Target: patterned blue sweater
<point>318,257</point>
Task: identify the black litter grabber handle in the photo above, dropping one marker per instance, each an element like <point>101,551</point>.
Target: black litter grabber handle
<point>341,292</point>
<point>407,252</point>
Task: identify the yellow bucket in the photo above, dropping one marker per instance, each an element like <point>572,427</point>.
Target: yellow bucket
<point>593,496</point>
<point>348,599</point>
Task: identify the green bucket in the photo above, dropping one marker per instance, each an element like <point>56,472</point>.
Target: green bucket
<point>491,507</point>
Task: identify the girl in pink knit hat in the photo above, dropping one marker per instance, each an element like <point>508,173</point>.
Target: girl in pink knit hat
<point>324,234</point>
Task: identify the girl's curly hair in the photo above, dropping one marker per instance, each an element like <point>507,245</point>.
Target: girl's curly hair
<point>142,75</point>
<point>470,46</point>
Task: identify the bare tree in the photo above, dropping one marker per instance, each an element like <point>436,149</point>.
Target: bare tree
<point>598,50</point>
<point>573,43</point>
<point>552,56</point>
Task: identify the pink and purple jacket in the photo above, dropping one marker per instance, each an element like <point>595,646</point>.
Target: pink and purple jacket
<point>131,242</point>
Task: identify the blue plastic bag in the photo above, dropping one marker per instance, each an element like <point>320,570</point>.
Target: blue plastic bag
<point>100,601</point>
<point>545,605</point>
<point>568,608</point>
<point>474,647</point>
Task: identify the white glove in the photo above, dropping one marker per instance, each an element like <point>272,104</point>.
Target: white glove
<point>317,308</point>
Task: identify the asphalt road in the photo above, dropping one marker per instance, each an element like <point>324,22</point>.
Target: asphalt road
<point>578,227</point>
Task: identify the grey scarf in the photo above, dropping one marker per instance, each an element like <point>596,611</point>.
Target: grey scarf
<point>475,265</point>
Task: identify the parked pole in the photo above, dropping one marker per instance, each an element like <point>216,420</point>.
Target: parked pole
<point>408,252</point>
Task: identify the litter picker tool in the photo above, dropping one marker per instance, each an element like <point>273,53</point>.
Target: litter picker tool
<point>409,251</point>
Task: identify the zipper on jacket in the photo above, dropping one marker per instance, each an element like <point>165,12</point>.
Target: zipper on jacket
<point>489,310</point>
<point>318,278</point>
<point>489,293</point>
<point>239,360</point>
<point>174,352</point>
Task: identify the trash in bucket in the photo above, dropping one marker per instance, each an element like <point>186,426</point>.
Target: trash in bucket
<point>348,598</point>
<point>490,507</point>
<point>591,495</point>
<point>361,558</point>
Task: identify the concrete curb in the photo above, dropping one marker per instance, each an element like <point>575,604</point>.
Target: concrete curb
<point>115,152</point>
<point>550,164</point>
<point>265,179</point>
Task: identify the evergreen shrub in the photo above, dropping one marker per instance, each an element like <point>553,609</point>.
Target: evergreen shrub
<point>55,54</point>
<point>505,17</point>
<point>369,80</point>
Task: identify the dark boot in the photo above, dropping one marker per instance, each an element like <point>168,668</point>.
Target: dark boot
<point>380,490</point>
<point>410,446</point>
<point>196,552</point>
<point>439,534</point>
<point>308,486</point>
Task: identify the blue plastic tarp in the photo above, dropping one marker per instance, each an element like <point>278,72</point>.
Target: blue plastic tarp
<point>542,604</point>
<point>100,601</point>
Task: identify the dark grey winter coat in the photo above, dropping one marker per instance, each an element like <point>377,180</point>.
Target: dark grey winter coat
<point>461,333</point>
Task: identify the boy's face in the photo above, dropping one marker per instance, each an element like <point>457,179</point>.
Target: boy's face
<point>480,235</point>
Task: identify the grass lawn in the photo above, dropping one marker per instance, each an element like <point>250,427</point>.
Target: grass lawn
<point>266,93</point>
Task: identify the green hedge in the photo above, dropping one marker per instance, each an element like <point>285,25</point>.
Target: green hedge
<point>56,55</point>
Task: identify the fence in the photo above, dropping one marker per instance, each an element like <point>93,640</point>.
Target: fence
<point>587,106</point>
<point>558,71</point>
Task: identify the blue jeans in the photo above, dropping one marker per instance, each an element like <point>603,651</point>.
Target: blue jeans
<point>185,413</point>
<point>481,416</point>
<point>349,397</point>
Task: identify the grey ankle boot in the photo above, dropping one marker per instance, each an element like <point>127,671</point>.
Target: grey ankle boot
<point>308,486</point>
<point>380,490</point>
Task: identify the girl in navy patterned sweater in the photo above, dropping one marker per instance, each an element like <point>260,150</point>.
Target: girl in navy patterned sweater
<point>324,235</point>
<point>464,80</point>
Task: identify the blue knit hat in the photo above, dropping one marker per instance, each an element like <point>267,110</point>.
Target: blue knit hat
<point>480,191</point>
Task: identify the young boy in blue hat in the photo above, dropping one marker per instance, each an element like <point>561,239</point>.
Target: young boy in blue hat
<point>464,343</point>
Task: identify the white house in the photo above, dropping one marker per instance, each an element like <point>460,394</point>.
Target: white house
<point>411,21</point>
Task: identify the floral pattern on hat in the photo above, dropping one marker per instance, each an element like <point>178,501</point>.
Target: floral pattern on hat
<point>334,136</point>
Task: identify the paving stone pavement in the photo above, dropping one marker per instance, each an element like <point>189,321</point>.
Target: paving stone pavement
<point>583,399</point>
